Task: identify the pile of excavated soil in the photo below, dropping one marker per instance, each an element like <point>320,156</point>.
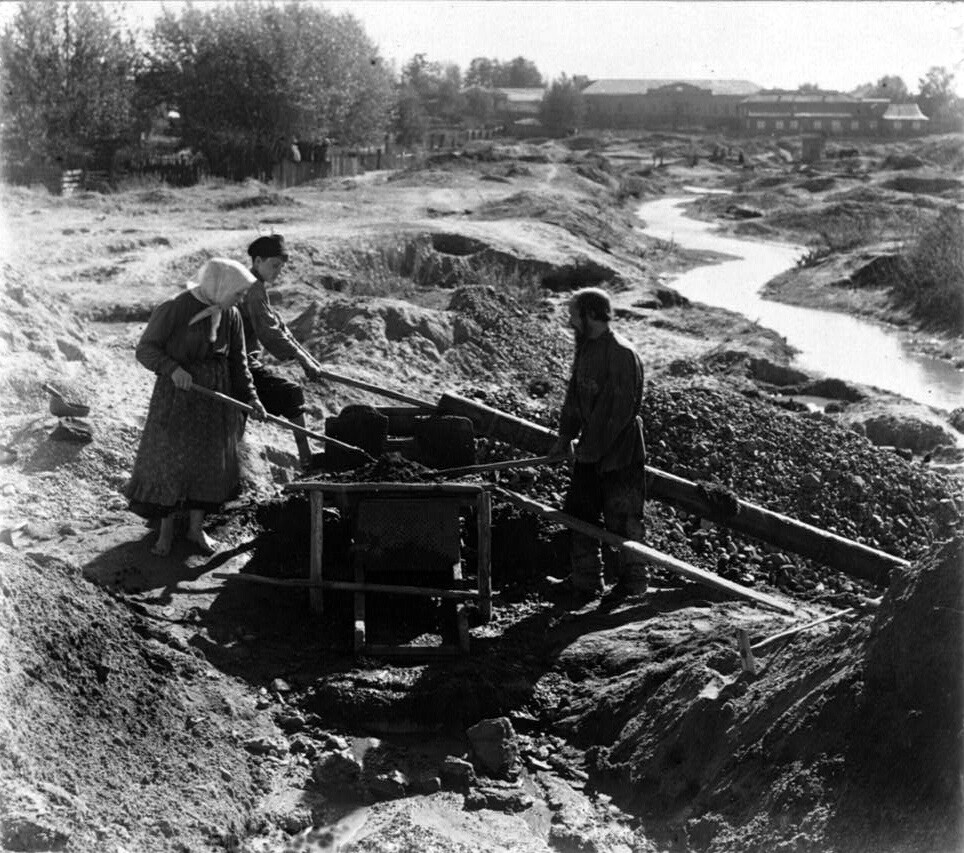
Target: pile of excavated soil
<point>40,338</point>
<point>483,334</point>
<point>112,732</point>
<point>835,745</point>
<point>593,220</point>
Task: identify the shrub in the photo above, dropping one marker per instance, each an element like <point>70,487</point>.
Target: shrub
<point>931,279</point>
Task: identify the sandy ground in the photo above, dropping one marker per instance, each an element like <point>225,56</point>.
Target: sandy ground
<point>153,703</point>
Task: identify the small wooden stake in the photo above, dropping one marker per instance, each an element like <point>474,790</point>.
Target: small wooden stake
<point>746,651</point>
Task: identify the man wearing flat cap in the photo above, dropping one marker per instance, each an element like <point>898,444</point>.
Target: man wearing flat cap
<point>265,331</point>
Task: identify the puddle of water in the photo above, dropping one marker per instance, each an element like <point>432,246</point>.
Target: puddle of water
<point>829,343</point>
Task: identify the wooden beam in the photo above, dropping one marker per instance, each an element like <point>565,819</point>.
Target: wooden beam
<point>825,547</point>
<point>852,558</point>
<point>658,558</point>
<point>353,586</point>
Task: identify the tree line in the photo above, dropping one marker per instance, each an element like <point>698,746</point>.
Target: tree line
<point>80,88</point>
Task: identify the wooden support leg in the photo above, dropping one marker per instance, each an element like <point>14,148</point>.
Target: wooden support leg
<point>315,594</point>
<point>485,555</point>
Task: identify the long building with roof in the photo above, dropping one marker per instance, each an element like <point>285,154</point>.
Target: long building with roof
<point>829,114</point>
<point>681,104</point>
<point>670,103</point>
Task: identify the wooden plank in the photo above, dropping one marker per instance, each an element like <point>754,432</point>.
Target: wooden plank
<point>852,558</point>
<point>380,488</point>
<point>315,593</point>
<point>484,538</point>
<point>399,589</point>
<point>651,555</point>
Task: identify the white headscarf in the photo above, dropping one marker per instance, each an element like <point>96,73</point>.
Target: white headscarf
<point>219,281</point>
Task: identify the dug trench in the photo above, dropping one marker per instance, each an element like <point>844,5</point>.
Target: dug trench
<point>176,705</point>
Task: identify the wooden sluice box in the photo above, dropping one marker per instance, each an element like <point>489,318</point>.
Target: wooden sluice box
<point>407,532</point>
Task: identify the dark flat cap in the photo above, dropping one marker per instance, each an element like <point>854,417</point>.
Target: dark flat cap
<point>268,246</point>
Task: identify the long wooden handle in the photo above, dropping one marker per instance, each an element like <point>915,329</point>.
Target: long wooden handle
<point>374,389</point>
<point>498,466</point>
<point>657,558</point>
<point>244,407</point>
<point>763,645</point>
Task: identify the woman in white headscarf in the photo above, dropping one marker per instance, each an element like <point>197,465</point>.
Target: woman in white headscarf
<point>188,455</point>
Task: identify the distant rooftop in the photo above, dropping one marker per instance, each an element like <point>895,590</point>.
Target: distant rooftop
<point>641,87</point>
<point>801,98</point>
<point>521,95</point>
<point>904,112</point>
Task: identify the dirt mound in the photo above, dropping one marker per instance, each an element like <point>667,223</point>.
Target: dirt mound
<point>913,689</point>
<point>500,335</point>
<point>906,431</point>
<point>30,321</point>
<point>39,338</point>
<point>100,717</point>
<point>592,220</point>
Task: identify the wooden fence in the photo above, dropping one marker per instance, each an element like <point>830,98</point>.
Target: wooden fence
<point>317,161</point>
<point>338,163</point>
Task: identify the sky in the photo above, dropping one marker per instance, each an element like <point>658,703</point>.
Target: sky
<point>774,43</point>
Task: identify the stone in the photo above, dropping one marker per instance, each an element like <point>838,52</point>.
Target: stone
<point>290,722</point>
<point>23,833</point>
<point>337,771</point>
<point>499,800</point>
<point>388,786</point>
<point>495,747</point>
<point>457,774</point>
<point>262,745</point>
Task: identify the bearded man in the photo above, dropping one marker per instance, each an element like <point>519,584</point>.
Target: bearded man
<point>601,429</point>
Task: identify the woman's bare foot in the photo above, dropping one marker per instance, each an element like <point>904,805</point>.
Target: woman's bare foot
<point>162,548</point>
<point>165,538</point>
<point>204,543</point>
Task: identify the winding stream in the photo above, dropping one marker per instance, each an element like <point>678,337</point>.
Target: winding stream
<point>828,343</point>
